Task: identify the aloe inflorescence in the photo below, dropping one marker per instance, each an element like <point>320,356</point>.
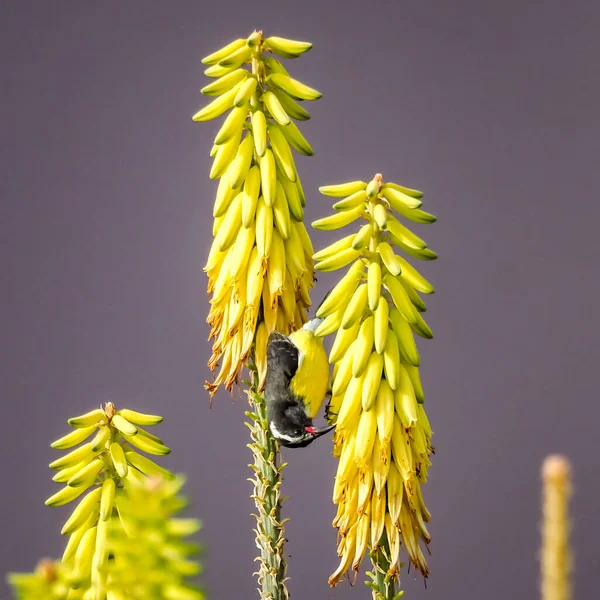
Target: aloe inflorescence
<point>124,539</point>
<point>260,267</point>
<point>382,436</point>
<point>556,555</point>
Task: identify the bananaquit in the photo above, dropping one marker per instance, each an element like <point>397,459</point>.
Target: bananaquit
<point>296,384</point>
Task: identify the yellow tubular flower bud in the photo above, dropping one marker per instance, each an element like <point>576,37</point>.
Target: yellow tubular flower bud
<point>65,495</point>
<point>347,558</point>
<point>352,201</point>
<point>401,451</point>
<point>330,324</point>
<point>347,467</point>
<point>225,81</point>
<point>281,212</point>
<point>341,259</point>
<point>86,475</point>
<point>380,329</point>
<point>385,413</point>
<point>350,516</point>
<point>361,239</point>
<point>378,503</point>
<point>371,381</point>
<point>355,307</point>
<point>64,475</point>
<point>73,438</point>
<point>408,533</point>
<point>261,352</point>
<point>73,457</point>
<point>268,174</point>
<point>343,374</point>
<point>365,485</point>
<point>381,465</point>
<point>406,340</point>
<point>374,284</point>
<point>390,260</point>
<point>362,536</point>
<point>413,295</point>
<point>107,499</point>
<point>276,266</point>
<point>404,399</point>
<point>344,288</point>
<point>391,361</point>
<point>401,300</point>
<point>414,278</point>
<point>351,405</point>
<point>394,545</point>
<point>93,418</point>
<point>343,340</point>
<point>364,345</point>
<point>365,438</point>
<point>395,491</point>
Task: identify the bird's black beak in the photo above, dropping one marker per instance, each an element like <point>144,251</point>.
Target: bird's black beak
<point>319,431</point>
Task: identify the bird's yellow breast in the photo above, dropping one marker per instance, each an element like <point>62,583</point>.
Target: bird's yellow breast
<point>311,380</point>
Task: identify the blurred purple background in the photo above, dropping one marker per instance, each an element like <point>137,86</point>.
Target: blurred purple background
<point>491,108</point>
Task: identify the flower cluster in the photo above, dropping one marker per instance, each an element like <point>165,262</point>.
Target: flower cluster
<point>260,266</point>
<point>157,564</point>
<point>49,581</point>
<point>382,436</point>
<point>123,541</point>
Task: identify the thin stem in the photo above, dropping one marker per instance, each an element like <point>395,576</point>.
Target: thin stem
<point>267,480</point>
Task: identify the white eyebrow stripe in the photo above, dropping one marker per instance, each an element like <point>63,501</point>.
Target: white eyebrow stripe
<point>280,435</point>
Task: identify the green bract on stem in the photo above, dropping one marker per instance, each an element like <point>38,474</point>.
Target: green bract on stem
<point>383,586</point>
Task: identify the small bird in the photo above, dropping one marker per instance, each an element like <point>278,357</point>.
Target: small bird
<point>296,384</point>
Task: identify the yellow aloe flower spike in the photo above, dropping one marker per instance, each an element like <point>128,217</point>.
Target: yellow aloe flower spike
<point>260,266</point>
<point>383,437</point>
<point>101,469</point>
<point>49,581</point>
<point>556,556</point>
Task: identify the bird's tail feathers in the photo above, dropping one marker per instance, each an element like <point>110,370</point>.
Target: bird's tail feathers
<point>312,324</point>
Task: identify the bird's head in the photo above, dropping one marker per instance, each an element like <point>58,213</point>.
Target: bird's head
<point>296,430</point>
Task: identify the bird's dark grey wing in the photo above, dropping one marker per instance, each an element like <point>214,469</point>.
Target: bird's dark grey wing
<point>282,355</point>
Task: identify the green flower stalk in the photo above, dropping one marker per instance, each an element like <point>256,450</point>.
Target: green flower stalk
<point>267,467</point>
<point>100,471</point>
<point>260,267</point>
<point>556,556</point>
<point>382,436</point>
